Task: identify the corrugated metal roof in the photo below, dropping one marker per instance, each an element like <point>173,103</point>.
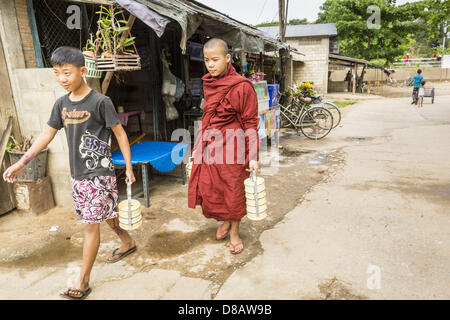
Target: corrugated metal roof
<point>303,30</point>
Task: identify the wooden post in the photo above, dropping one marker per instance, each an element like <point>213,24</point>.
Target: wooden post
<point>261,62</point>
<point>355,73</point>
<point>107,81</point>
<point>243,61</point>
<point>4,139</point>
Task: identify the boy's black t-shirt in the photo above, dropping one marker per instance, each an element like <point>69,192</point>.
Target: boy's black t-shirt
<point>87,124</point>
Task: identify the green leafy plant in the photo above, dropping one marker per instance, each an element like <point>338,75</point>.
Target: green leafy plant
<point>304,89</point>
<point>90,49</point>
<point>14,146</point>
<point>109,37</point>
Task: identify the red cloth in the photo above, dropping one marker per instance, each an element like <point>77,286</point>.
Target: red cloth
<point>216,183</point>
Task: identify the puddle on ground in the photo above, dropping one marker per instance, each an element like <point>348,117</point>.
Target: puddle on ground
<point>294,153</point>
<point>320,159</point>
<point>172,243</point>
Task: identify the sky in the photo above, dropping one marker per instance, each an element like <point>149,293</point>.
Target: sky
<point>257,11</point>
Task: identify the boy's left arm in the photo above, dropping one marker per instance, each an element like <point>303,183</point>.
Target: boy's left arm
<point>124,145</point>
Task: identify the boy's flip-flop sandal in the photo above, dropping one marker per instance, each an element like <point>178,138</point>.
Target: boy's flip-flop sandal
<point>121,255</point>
<point>67,294</point>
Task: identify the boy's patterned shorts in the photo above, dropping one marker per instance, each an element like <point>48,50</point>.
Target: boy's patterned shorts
<point>95,199</point>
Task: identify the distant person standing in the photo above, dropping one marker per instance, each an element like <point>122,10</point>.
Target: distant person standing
<point>415,81</point>
<point>406,58</point>
<point>348,78</point>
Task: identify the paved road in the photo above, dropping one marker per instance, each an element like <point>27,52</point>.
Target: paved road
<point>379,228</point>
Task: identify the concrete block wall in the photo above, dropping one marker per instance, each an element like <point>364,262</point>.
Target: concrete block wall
<point>430,74</point>
<point>23,22</point>
<point>314,66</point>
<point>37,92</point>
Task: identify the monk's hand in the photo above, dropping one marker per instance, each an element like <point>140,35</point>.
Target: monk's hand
<point>129,176</point>
<point>253,165</point>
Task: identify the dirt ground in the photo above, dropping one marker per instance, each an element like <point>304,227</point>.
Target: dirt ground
<point>172,237</point>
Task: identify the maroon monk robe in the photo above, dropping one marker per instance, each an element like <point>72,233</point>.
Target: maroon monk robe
<point>216,183</point>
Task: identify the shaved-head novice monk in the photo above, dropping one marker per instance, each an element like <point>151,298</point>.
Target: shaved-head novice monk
<point>227,148</point>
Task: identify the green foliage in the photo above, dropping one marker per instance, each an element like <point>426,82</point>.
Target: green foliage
<point>343,104</point>
<point>92,44</point>
<point>296,22</point>
<point>14,146</point>
<point>434,15</point>
<point>304,89</point>
<point>291,22</point>
<point>110,31</point>
<point>357,40</point>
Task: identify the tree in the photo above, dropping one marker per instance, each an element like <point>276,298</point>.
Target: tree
<point>357,33</point>
<point>435,16</point>
<point>276,23</point>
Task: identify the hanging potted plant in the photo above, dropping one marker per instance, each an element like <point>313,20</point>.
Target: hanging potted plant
<point>115,42</point>
<point>90,57</point>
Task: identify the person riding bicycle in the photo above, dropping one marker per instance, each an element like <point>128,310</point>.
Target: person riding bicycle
<point>415,81</point>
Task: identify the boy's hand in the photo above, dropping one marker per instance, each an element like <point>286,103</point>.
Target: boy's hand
<point>129,176</point>
<point>13,171</point>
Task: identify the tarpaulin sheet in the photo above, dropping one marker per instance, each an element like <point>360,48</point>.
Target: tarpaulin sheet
<point>191,16</point>
<point>149,17</point>
<point>162,156</point>
<point>187,18</point>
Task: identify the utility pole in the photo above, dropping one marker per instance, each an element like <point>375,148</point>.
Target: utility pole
<point>445,36</point>
<point>282,18</point>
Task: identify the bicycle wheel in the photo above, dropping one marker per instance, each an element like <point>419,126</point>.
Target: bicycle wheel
<point>287,117</point>
<point>335,112</point>
<point>316,123</point>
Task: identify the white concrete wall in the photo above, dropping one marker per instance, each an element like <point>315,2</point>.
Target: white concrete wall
<point>37,92</point>
<point>430,74</point>
<point>315,62</point>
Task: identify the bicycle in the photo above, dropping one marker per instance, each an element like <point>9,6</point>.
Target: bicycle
<point>334,109</point>
<point>316,100</point>
<point>313,122</point>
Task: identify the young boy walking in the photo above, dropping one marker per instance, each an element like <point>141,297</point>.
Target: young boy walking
<point>415,81</point>
<point>88,118</point>
<point>217,179</point>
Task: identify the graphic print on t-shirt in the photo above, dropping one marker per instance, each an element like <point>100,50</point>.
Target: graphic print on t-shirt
<point>74,117</point>
<point>95,149</point>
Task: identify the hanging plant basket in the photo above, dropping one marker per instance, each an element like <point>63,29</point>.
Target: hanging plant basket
<point>126,62</point>
<point>105,64</point>
<point>115,39</point>
<point>93,71</point>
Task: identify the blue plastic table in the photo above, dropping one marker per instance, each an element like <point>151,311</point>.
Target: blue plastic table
<point>160,155</point>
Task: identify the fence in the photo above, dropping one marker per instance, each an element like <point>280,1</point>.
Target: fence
<point>420,62</point>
